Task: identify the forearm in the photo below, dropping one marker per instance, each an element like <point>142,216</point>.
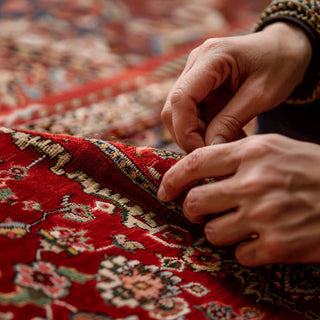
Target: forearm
<point>306,15</point>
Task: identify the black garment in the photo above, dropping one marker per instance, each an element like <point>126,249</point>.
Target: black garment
<point>299,122</point>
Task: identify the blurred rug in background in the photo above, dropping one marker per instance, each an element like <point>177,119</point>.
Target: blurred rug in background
<point>100,68</point>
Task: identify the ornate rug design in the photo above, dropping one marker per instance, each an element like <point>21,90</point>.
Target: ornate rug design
<point>98,68</point>
<point>83,236</point>
<point>82,233</point>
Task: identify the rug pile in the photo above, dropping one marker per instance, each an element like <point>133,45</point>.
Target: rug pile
<point>83,236</point>
<point>82,153</point>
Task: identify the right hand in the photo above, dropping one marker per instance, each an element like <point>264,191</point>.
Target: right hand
<point>271,211</point>
<point>228,81</point>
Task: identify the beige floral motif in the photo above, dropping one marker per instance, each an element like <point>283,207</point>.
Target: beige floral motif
<point>121,241</point>
<point>64,239</point>
<point>30,205</point>
<point>196,289</point>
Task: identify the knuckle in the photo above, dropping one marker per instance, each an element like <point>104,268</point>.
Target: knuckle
<point>176,96</point>
<point>232,124</point>
<point>257,214</point>
<point>256,147</point>
<point>272,139</point>
<point>166,115</point>
<point>192,162</point>
<point>211,43</point>
<point>276,249</point>
<point>257,183</point>
<point>194,53</point>
<point>208,43</point>
<point>191,205</point>
<point>262,94</point>
<point>267,139</point>
<point>261,145</point>
<point>250,184</point>
<point>263,98</point>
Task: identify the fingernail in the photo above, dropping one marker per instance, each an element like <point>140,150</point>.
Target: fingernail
<point>162,195</point>
<point>218,140</point>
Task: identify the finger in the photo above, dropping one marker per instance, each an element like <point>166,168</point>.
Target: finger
<point>249,101</point>
<point>166,113</point>
<point>166,117</point>
<point>228,229</point>
<point>253,253</point>
<point>185,121</point>
<point>281,249</point>
<point>214,102</point>
<point>189,91</point>
<point>212,161</point>
<point>212,198</point>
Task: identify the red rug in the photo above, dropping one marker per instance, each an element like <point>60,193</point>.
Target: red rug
<point>82,233</point>
<point>83,236</point>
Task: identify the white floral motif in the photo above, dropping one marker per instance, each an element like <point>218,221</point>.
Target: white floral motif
<point>42,277</point>
<point>196,289</point>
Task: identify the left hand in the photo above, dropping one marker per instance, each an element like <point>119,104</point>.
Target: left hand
<point>228,81</point>
<point>272,197</point>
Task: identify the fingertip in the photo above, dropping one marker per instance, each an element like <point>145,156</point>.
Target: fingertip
<point>208,231</point>
<point>218,140</point>
<point>191,142</point>
<point>162,195</point>
<point>191,210</point>
<point>246,254</point>
<point>218,132</point>
<point>168,187</point>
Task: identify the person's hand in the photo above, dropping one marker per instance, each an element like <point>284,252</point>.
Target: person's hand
<point>271,201</point>
<point>228,81</point>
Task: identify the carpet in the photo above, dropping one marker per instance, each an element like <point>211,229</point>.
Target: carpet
<point>82,233</point>
<point>83,236</point>
<point>99,68</point>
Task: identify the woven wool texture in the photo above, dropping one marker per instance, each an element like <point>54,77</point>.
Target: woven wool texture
<point>83,236</point>
<point>82,233</point>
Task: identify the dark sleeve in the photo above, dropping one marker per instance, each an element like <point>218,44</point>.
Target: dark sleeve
<point>306,14</point>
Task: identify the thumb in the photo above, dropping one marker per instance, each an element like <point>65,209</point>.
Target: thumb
<point>227,125</point>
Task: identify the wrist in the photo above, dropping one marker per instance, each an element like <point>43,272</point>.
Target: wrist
<point>292,41</point>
